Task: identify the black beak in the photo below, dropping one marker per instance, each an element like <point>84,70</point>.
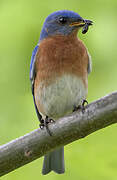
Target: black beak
<point>81,23</point>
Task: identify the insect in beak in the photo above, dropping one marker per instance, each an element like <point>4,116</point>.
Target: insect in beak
<point>86,26</point>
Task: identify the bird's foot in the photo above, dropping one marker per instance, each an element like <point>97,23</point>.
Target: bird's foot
<point>76,108</point>
<point>44,123</point>
<point>82,106</point>
<point>41,125</point>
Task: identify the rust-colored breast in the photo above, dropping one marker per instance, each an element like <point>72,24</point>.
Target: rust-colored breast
<point>60,55</point>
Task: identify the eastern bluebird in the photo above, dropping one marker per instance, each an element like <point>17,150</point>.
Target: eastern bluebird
<point>59,69</point>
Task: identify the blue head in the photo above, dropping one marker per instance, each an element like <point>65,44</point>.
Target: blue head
<point>61,22</point>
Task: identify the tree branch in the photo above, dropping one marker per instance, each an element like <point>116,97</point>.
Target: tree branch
<point>25,149</point>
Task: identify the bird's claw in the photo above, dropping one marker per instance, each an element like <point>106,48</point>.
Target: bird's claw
<point>76,108</point>
<point>44,123</point>
<point>41,125</point>
<point>82,106</point>
<point>48,120</point>
<point>84,102</point>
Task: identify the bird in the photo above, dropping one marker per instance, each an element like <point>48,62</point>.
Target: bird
<point>59,69</point>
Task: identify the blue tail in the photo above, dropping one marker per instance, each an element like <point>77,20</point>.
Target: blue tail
<point>54,161</point>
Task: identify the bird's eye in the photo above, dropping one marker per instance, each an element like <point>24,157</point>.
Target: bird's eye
<point>62,20</point>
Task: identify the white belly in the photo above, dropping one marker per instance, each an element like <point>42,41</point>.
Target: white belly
<point>59,98</point>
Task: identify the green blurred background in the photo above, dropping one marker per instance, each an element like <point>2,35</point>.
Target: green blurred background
<point>94,157</point>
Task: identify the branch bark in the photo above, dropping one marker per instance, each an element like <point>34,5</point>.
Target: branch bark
<point>25,149</point>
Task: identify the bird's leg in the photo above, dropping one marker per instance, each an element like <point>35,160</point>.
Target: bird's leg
<point>49,120</point>
<point>82,106</point>
<point>84,102</point>
<point>41,125</point>
<point>76,108</point>
<point>46,122</point>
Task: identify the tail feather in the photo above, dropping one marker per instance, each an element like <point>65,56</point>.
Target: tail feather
<point>54,161</point>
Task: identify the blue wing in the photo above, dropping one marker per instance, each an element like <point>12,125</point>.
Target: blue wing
<point>32,79</point>
<point>32,64</point>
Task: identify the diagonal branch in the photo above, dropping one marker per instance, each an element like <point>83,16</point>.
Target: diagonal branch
<point>25,149</point>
